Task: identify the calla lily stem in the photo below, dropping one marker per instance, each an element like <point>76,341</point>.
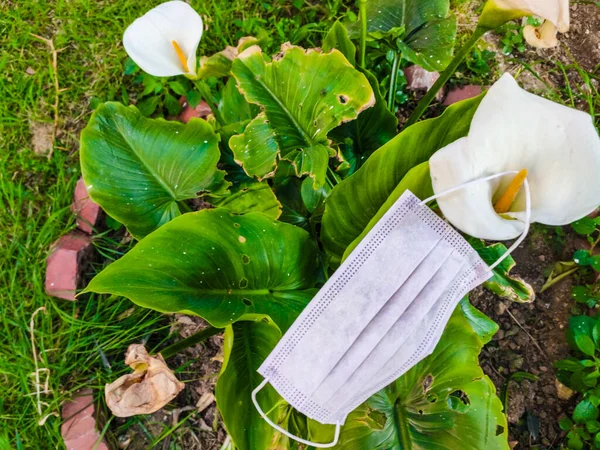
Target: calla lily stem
<point>393,81</point>
<point>188,342</point>
<point>207,97</point>
<point>445,76</point>
<point>362,11</point>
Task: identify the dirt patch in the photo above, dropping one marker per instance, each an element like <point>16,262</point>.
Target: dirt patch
<point>42,139</point>
<point>531,338</point>
<point>195,419</point>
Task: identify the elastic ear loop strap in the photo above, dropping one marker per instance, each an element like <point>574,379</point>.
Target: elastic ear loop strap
<point>527,209</point>
<point>287,433</point>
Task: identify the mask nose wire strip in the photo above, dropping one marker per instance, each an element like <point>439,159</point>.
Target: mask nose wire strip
<point>287,433</point>
<point>527,208</point>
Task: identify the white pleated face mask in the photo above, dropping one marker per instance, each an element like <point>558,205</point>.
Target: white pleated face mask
<point>380,313</point>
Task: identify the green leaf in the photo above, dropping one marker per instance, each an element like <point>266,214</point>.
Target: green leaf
<point>251,197</point>
<point>586,226</point>
<point>172,104</point>
<point>353,202</point>
<point>503,284</point>
<point>337,38</point>
<point>424,31</point>
<point>313,199</point>
<point>246,345</point>
<point>217,66</point>
<point>565,424</point>
<point>373,128</point>
<point>148,105</point>
<point>585,344</point>
<point>485,327</point>
<point>444,402</point>
<point>139,170</point>
<point>305,94</point>
<point>219,266</point>
<point>585,411</point>
<point>178,87</point>
<point>235,110</point>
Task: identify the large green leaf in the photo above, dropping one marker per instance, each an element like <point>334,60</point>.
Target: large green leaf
<point>511,287</point>
<point>373,127</point>
<point>304,94</point>
<point>139,170</point>
<point>444,402</point>
<point>219,266</point>
<point>355,201</point>
<point>246,346</point>
<point>424,31</point>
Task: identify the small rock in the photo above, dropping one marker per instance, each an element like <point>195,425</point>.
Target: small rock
<point>500,308</point>
<point>542,258</point>
<point>201,110</point>
<point>462,93</point>
<point>499,335</point>
<point>79,429</point>
<point>88,213</point>
<point>418,78</point>
<point>30,71</point>
<point>66,263</point>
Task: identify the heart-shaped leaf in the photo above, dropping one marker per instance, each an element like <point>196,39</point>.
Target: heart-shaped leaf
<point>355,201</point>
<point>247,344</point>
<point>219,266</point>
<point>503,284</point>
<point>305,94</point>
<point>139,170</point>
<point>424,31</point>
<point>444,402</point>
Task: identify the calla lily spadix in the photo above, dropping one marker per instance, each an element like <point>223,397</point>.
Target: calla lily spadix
<point>163,42</point>
<point>554,15</point>
<point>555,147</point>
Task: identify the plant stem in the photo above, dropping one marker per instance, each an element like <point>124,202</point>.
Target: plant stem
<point>207,97</point>
<point>362,11</point>
<point>188,342</point>
<point>393,81</point>
<point>445,76</point>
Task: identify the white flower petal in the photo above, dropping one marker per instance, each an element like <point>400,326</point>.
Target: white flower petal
<point>514,130</point>
<point>148,40</point>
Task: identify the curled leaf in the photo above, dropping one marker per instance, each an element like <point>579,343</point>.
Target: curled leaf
<point>150,387</point>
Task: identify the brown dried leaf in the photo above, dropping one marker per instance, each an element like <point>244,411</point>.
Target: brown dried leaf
<point>150,387</point>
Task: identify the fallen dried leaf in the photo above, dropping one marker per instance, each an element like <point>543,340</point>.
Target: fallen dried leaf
<point>150,387</point>
<point>205,401</point>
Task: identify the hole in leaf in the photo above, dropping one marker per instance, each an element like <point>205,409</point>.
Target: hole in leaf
<point>265,320</point>
<point>244,189</point>
<point>237,225</point>
<point>499,430</point>
<point>245,259</point>
<point>342,99</point>
<point>421,411</point>
<point>247,302</point>
<point>427,382</point>
<point>243,284</point>
<point>242,239</point>
<point>431,398</point>
<point>323,92</point>
<point>379,419</point>
<point>459,401</point>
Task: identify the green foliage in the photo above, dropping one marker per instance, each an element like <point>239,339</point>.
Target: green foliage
<point>305,94</point>
<point>581,372</point>
<point>219,266</point>
<point>356,200</point>
<point>140,170</point>
<point>444,393</point>
<point>422,30</point>
<point>246,345</point>
<point>512,36</point>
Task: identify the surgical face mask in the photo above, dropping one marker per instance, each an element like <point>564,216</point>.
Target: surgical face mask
<point>381,312</point>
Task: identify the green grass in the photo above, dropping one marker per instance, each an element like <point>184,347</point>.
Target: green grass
<point>80,344</point>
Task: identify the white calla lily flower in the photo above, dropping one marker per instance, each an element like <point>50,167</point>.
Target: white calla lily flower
<point>513,130</point>
<point>163,42</point>
<point>554,15</point>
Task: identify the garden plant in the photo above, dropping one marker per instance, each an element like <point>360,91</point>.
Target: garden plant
<point>241,216</point>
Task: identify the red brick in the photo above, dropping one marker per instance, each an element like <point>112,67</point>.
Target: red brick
<point>462,93</point>
<point>66,264</point>
<point>201,110</point>
<point>79,429</point>
<point>418,78</point>
<point>88,213</point>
